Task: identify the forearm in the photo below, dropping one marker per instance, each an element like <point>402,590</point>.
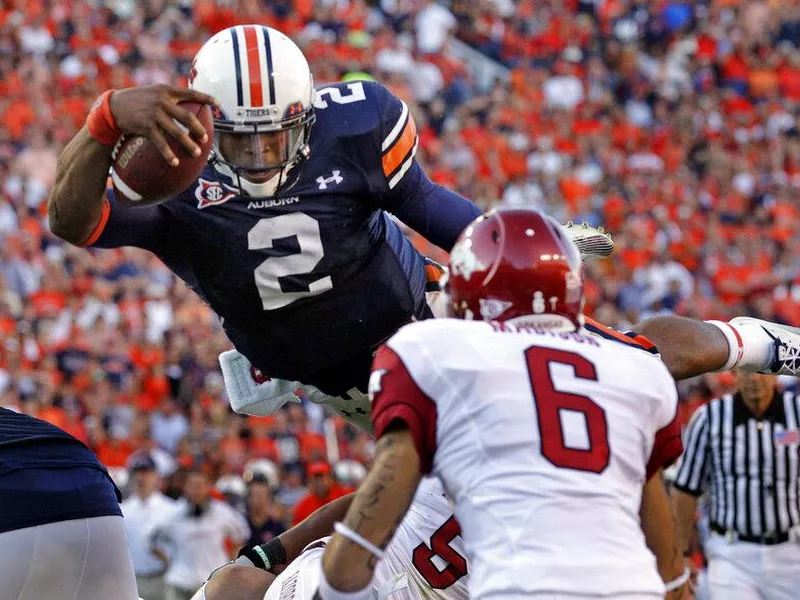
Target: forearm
<point>442,215</point>
<point>76,200</point>
<point>289,545</point>
<point>658,525</point>
<point>687,347</point>
<point>685,507</point>
<point>376,511</point>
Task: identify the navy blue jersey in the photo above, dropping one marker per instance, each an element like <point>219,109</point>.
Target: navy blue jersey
<point>308,283</point>
<point>24,443</point>
<point>46,475</point>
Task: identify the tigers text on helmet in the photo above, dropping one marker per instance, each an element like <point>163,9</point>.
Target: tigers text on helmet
<point>265,92</point>
<point>517,265</point>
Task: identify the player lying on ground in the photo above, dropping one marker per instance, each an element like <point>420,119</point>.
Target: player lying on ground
<point>550,440</point>
<point>410,569</point>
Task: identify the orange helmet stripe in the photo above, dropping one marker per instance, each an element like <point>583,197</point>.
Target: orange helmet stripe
<point>253,66</point>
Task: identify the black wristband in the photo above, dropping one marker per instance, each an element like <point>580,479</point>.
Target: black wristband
<point>266,556</point>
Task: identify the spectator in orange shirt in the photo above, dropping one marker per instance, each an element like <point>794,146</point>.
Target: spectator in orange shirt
<point>322,489</point>
<point>114,451</point>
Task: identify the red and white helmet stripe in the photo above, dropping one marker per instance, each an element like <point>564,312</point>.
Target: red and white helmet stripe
<point>256,73</point>
<point>253,61</point>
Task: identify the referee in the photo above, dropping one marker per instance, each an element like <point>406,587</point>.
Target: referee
<point>743,450</point>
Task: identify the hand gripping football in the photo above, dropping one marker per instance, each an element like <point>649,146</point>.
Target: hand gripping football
<point>141,175</point>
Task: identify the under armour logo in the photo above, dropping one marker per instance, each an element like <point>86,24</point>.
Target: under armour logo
<point>334,178</point>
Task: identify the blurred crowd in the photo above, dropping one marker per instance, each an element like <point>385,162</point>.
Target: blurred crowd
<point>672,124</point>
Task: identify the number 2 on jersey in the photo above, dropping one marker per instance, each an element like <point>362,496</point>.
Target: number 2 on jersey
<point>267,275</point>
<point>355,94</point>
<point>550,402</point>
<point>440,546</point>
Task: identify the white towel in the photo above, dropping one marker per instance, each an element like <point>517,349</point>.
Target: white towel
<point>246,395</point>
<point>249,397</point>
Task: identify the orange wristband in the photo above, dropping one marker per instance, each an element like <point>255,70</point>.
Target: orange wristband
<point>101,123</point>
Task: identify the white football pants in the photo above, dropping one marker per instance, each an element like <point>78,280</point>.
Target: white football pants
<point>746,571</point>
<point>82,559</point>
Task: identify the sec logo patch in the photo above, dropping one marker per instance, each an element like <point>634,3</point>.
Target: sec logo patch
<point>211,193</point>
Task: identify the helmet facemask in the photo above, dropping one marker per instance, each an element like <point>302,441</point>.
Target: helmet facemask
<point>258,157</point>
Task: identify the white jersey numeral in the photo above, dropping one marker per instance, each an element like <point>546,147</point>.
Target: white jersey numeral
<point>268,273</point>
<point>356,95</point>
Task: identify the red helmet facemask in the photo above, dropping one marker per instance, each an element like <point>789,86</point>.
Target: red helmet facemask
<point>514,264</point>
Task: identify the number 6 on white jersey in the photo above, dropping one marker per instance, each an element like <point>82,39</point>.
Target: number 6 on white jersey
<point>267,274</point>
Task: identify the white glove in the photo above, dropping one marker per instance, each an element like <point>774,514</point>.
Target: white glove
<point>248,396</point>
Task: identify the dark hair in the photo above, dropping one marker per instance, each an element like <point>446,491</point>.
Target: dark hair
<point>258,478</point>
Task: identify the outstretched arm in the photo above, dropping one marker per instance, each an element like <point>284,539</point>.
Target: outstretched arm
<point>379,506</point>
<point>288,545</point>
<point>438,214</point>
<point>249,577</point>
<point>318,524</point>
<point>78,204</point>
<point>691,348</point>
<point>688,347</point>
<point>658,525</point>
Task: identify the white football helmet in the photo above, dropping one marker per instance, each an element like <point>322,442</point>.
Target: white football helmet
<point>265,92</point>
<point>262,467</point>
<point>349,472</point>
<point>231,485</point>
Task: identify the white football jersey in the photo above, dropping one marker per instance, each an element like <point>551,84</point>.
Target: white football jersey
<point>544,440</point>
<point>300,579</point>
<point>426,557</point>
<point>415,565</point>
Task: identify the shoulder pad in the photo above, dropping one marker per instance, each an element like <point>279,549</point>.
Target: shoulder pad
<point>436,335</point>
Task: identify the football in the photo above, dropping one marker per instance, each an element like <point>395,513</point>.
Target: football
<point>141,176</point>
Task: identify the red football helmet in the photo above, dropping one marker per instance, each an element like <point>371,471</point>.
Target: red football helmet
<point>516,263</point>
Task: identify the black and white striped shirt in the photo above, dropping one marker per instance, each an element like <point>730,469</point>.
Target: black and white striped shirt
<point>748,464</point>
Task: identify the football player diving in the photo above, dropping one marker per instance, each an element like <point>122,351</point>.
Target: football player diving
<point>287,233</point>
